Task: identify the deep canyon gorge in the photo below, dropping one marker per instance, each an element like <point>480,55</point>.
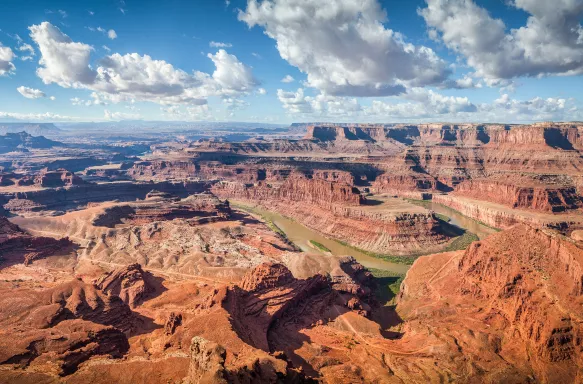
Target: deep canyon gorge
<point>324,252</point>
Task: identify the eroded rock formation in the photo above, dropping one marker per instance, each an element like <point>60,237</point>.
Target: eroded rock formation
<point>16,246</point>
<point>521,289</point>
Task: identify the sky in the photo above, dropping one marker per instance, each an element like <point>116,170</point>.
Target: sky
<point>283,61</point>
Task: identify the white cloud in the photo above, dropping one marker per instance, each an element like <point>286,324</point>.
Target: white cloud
<point>26,58</point>
<point>53,98</point>
<point>257,55</point>
<point>320,105</point>
<point>63,61</point>
<point>262,91</point>
<point>550,43</point>
<point>424,104</point>
<point>63,13</point>
<point>31,117</point>
<point>535,109</point>
<point>135,77</point>
<point>106,48</point>
<point>197,112</point>
<point>91,13</point>
<point>117,116</point>
<point>6,57</point>
<point>288,79</point>
<point>235,104</point>
<point>218,44</point>
<point>343,47</point>
<point>109,33</point>
<point>78,101</point>
<point>26,48</point>
<point>30,93</point>
<point>233,76</point>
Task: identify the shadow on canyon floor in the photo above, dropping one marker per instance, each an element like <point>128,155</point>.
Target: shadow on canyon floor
<point>286,331</point>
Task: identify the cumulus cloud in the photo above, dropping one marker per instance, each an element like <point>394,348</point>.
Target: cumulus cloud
<point>132,76</point>
<point>53,98</point>
<point>551,42</point>
<point>24,47</point>
<point>535,109</point>
<point>218,44</point>
<point>63,61</point>
<point>31,93</point>
<point>424,104</point>
<point>231,75</point>
<point>235,104</point>
<point>344,48</point>
<point>117,116</point>
<point>32,117</point>
<point>111,34</point>
<point>288,79</point>
<point>262,91</point>
<point>193,113</point>
<point>78,101</point>
<point>320,105</point>
<point>6,57</point>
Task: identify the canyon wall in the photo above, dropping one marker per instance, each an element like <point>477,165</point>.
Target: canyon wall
<point>516,193</point>
<point>340,212</point>
<point>512,299</point>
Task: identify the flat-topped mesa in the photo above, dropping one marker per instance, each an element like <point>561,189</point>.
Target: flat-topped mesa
<point>549,135</point>
<point>58,178</point>
<point>159,206</point>
<point>296,188</point>
<point>76,196</point>
<point>348,132</point>
<point>162,170</point>
<point>23,141</point>
<point>538,136</point>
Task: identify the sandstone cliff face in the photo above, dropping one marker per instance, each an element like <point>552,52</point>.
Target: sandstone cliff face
<point>337,211</point>
<point>550,135</point>
<point>295,189</point>
<point>511,192</point>
<point>522,291</point>
<point>500,216</point>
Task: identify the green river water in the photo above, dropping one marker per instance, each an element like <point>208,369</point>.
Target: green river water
<point>301,236</point>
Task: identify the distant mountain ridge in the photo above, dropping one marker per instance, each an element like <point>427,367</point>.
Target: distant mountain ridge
<point>35,129</point>
<point>22,141</point>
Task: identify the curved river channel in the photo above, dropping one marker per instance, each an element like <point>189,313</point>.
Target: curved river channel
<point>301,236</point>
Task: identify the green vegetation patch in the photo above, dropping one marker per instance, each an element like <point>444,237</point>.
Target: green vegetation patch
<point>461,242</point>
<point>388,284</point>
<point>320,246</point>
<point>407,260</point>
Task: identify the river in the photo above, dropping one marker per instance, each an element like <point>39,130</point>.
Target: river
<point>462,221</point>
<point>301,236</point>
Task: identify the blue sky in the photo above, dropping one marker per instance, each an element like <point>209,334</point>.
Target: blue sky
<point>367,60</point>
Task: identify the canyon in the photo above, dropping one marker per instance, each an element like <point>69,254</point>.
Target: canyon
<point>322,253</point>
